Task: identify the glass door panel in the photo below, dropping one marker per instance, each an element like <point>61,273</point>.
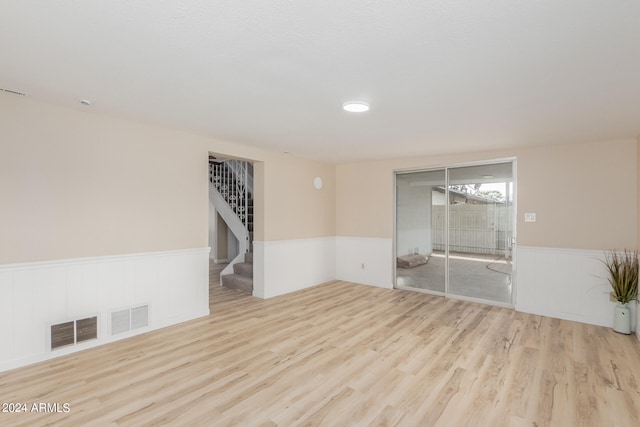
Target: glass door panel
<point>480,231</point>
<point>420,230</point>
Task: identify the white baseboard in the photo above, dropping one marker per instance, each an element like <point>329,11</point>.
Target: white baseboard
<point>285,266</point>
<point>365,260</point>
<point>175,285</point>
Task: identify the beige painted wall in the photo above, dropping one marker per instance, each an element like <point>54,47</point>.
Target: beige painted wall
<point>584,195</point>
<point>293,207</point>
<point>74,183</point>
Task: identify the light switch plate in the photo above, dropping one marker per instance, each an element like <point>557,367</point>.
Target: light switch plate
<point>529,217</point>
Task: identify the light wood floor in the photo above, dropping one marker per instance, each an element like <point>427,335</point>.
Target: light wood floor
<point>341,354</point>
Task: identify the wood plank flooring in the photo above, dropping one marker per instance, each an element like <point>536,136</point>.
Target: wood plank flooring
<point>342,354</point>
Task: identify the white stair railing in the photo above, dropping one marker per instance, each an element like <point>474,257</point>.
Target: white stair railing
<point>242,169</point>
<point>231,184</point>
<point>233,180</point>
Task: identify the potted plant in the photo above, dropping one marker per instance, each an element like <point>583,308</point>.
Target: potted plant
<point>623,277</point>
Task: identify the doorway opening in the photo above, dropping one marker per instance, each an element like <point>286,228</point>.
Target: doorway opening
<point>231,222</point>
<point>455,231</point>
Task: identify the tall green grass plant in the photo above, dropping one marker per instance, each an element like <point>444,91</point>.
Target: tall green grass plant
<point>623,274</point>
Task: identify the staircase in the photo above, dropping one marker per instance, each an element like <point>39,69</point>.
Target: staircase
<point>232,187</point>
<point>242,277</point>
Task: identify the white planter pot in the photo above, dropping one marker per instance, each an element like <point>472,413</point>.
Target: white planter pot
<point>622,319</point>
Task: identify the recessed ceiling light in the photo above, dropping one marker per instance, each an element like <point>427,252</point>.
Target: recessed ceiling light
<point>356,106</point>
<point>85,102</point>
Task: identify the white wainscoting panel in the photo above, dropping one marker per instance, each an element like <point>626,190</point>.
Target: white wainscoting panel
<point>33,296</point>
<point>284,266</point>
<point>638,321</point>
<point>376,254</point>
<point>564,283</point>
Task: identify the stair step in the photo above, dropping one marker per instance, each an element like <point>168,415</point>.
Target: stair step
<point>240,283</point>
<point>243,269</point>
<point>248,258</point>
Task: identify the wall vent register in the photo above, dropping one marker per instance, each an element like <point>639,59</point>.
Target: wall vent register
<point>129,319</point>
<point>74,332</point>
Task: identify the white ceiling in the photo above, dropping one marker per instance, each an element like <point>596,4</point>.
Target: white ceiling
<point>441,76</point>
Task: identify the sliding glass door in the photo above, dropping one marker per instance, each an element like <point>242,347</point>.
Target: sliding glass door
<point>454,231</point>
<point>480,224</point>
<point>419,230</point>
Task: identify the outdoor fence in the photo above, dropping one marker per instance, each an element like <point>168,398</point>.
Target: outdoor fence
<point>474,228</point>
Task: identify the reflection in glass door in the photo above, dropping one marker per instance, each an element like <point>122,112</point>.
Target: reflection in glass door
<point>454,231</point>
<point>420,260</point>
